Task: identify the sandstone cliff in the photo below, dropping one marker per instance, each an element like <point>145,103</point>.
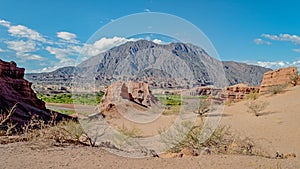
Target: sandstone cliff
<point>16,91</point>
<point>277,77</point>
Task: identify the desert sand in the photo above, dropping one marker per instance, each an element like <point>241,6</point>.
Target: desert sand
<point>276,129</point>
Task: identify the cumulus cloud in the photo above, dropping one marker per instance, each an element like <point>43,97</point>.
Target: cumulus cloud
<point>64,53</point>
<point>29,56</point>
<point>260,41</point>
<point>275,64</point>
<point>21,46</point>
<point>283,37</point>
<point>24,32</point>
<point>158,41</point>
<point>4,23</point>
<point>70,37</point>
<point>103,45</point>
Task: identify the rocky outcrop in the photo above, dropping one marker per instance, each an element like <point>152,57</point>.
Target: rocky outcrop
<point>120,93</point>
<point>238,92</point>
<point>16,91</point>
<point>277,77</point>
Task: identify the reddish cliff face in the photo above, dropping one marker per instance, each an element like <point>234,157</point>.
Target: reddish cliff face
<point>238,92</point>
<point>15,90</point>
<point>277,77</point>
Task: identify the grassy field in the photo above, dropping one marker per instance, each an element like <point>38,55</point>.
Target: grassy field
<point>175,100</point>
<point>84,99</point>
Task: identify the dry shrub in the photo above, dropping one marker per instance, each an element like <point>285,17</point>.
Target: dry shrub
<point>276,89</point>
<point>256,107</point>
<point>294,79</point>
<point>130,132</point>
<point>37,131</point>
<point>204,107</point>
<point>221,141</point>
<point>252,95</point>
<point>7,127</point>
<point>58,134</point>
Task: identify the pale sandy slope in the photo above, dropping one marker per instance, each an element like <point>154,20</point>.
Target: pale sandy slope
<point>277,130</point>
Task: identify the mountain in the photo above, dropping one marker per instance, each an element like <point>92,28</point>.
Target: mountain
<point>173,65</point>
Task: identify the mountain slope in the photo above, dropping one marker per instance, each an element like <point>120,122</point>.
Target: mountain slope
<point>177,64</point>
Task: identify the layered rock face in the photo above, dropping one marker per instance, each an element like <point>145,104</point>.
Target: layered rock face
<point>277,77</point>
<point>238,92</point>
<point>122,93</point>
<point>16,91</point>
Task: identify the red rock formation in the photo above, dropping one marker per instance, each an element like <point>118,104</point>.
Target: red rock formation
<point>137,93</point>
<point>14,90</point>
<point>238,92</point>
<point>277,77</point>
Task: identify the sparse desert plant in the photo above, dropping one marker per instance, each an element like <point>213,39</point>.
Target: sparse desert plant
<point>256,107</point>
<point>276,89</point>
<point>252,95</point>
<point>7,127</point>
<point>186,135</point>
<point>228,103</point>
<point>204,106</point>
<point>294,79</point>
<point>129,132</point>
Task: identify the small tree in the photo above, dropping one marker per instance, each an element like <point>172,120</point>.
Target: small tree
<point>256,107</point>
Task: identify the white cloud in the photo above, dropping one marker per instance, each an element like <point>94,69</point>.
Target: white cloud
<point>22,46</point>
<point>24,49</point>
<point>283,37</point>
<point>296,50</point>
<point>147,10</point>
<point>63,53</point>
<point>260,41</point>
<point>24,32</point>
<point>29,56</point>
<point>70,37</point>
<point>2,50</point>
<point>103,45</point>
<point>4,23</point>
<point>275,64</point>
<point>158,41</point>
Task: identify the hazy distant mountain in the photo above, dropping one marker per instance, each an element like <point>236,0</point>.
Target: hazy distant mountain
<point>169,65</point>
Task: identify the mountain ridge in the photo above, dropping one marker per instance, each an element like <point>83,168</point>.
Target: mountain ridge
<point>172,61</point>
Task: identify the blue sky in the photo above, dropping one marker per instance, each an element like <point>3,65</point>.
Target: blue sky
<point>45,35</point>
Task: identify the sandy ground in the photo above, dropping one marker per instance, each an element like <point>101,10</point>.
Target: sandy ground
<point>276,130</point>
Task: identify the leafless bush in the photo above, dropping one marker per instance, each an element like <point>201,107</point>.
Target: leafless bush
<point>256,107</point>
<point>221,141</point>
<point>204,107</point>
<point>7,127</point>
<point>37,131</point>
<point>276,89</point>
<point>294,79</point>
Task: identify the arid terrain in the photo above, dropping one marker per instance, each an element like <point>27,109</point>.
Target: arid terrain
<point>274,130</point>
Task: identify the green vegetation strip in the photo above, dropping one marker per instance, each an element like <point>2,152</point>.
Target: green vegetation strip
<point>83,99</point>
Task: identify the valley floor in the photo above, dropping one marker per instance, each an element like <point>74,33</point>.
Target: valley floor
<point>275,130</point>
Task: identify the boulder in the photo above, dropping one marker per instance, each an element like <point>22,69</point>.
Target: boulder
<point>16,92</point>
